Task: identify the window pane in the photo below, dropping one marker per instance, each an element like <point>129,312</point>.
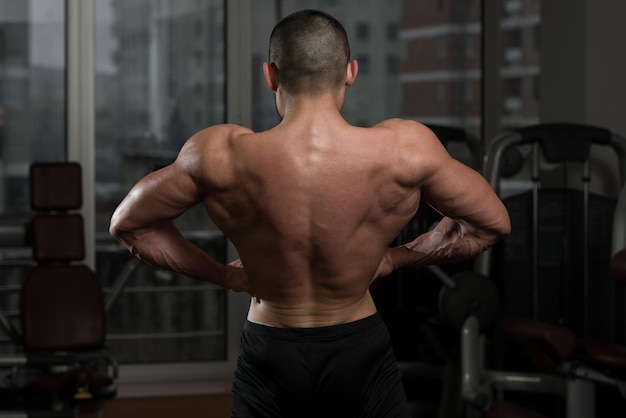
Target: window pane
<point>442,73</point>
<point>520,63</point>
<point>32,93</point>
<point>32,124</point>
<point>159,78</point>
<point>418,60</point>
<point>372,29</point>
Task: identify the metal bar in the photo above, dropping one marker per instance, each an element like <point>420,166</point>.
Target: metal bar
<point>166,335</point>
<point>586,179</point>
<point>470,356</point>
<point>169,289</point>
<point>528,382</point>
<point>493,157</point>
<point>120,282</point>
<point>10,330</point>
<point>535,231</point>
<point>81,109</point>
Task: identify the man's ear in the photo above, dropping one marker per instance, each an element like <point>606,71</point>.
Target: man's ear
<point>271,77</point>
<point>351,71</point>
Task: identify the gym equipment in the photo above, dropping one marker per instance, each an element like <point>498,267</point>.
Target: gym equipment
<point>428,358</point>
<point>547,328</point>
<point>449,135</point>
<point>63,321</point>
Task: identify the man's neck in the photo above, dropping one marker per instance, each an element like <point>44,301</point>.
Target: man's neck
<point>292,106</point>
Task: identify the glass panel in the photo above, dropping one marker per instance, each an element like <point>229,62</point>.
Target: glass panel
<point>417,60</point>
<point>32,93</point>
<point>372,29</point>
<point>32,125</point>
<point>520,73</point>
<point>441,72</point>
<point>159,78</point>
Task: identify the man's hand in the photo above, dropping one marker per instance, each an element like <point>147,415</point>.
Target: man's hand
<point>385,267</point>
<point>237,279</point>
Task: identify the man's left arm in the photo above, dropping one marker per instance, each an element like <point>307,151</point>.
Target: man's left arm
<point>474,217</point>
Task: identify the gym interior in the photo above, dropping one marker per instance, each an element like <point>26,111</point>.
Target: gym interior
<point>95,94</point>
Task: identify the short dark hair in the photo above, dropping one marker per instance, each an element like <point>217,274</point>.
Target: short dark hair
<point>310,50</point>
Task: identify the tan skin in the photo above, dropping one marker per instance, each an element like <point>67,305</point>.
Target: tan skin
<point>311,207</point>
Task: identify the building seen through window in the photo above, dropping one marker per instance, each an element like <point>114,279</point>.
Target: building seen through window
<point>32,126</point>
<point>160,77</point>
<point>520,23</point>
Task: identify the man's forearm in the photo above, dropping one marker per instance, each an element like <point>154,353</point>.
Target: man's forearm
<point>450,241</point>
<point>165,247</point>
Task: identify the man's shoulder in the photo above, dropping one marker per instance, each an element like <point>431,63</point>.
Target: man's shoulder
<point>409,130</point>
<point>209,155</point>
<point>214,139</point>
<point>419,150</point>
<point>222,131</point>
<point>404,126</point>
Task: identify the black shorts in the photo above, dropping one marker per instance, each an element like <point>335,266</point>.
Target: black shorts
<point>346,370</point>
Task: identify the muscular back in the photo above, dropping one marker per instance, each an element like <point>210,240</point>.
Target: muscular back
<point>311,208</point>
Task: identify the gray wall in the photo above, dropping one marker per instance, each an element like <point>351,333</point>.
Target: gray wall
<point>583,70</point>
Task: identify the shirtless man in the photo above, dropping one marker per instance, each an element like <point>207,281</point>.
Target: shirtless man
<point>311,206</point>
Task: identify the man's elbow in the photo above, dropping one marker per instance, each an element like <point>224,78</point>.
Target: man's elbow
<point>498,229</point>
<point>115,231</point>
<point>119,230</point>
<point>124,235</point>
<point>115,226</point>
<point>502,227</point>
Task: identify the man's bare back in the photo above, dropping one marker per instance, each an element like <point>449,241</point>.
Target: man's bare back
<point>312,205</point>
<point>320,203</point>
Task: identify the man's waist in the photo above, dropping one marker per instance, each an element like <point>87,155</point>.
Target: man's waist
<point>321,333</point>
<point>309,315</point>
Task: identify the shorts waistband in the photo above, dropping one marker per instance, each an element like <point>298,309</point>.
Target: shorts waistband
<point>325,332</point>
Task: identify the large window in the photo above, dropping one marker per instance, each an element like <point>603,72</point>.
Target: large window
<point>32,124</point>
<point>159,75</point>
<point>159,78</point>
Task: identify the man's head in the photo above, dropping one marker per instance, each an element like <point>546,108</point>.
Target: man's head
<point>309,53</point>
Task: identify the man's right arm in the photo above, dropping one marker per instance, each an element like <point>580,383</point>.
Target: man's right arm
<point>144,220</point>
<point>474,217</point>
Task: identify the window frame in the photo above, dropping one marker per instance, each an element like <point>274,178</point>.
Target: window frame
<point>162,378</point>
